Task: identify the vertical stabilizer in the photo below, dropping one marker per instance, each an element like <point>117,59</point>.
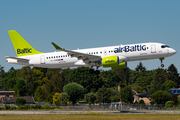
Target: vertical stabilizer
<point>21,46</point>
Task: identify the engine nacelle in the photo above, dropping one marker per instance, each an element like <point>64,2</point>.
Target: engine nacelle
<point>115,62</point>
<point>121,66</point>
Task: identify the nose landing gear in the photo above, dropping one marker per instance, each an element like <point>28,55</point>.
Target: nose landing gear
<point>162,65</point>
<point>161,59</point>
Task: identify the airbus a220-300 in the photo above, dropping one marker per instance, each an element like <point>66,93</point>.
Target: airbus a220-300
<point>115,57</point>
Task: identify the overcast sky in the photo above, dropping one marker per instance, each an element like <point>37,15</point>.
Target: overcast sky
<point>81,24</point>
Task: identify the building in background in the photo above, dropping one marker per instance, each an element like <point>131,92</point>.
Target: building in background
<point>4,93</point>
<point>11,100</point>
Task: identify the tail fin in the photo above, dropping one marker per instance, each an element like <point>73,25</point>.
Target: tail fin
<point>21,46</point>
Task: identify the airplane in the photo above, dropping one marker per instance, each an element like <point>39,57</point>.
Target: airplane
<point>115,57</point>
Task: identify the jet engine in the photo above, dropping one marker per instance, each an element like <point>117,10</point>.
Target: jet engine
<point>115,62</point>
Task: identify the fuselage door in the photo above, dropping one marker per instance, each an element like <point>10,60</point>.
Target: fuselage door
<point>153,48</point>
<point>42,59</point>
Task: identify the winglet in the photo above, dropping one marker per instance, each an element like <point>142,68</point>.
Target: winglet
<point>56,46</point>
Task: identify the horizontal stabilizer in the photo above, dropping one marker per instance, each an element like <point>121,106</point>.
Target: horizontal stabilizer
<point>20,59</point>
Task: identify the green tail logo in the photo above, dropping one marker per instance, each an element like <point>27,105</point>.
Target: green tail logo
<point>23,51</point>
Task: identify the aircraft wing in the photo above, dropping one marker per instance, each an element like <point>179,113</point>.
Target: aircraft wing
<point>19,59</point>
<point>79,55</point>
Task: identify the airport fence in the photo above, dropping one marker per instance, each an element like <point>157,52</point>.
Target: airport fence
<point>106,106</point>
<point>118,106</point>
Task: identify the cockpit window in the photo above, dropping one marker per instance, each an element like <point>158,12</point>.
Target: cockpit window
<point>165,46</point>
<point>162,46</point>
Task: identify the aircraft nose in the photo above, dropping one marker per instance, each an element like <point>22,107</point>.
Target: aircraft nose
<point>173,51</point>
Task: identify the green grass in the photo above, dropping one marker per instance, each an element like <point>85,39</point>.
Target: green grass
<point>91,117</point>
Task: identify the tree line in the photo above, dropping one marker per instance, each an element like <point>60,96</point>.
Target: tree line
<point>49,84</point>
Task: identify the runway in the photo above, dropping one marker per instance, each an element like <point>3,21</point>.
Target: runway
<point>90,112</point>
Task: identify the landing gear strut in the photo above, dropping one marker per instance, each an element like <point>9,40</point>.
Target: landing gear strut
<point>161,59</point>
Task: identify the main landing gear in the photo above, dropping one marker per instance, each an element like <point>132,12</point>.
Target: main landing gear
<point>95,72</point>
<point>161,59</point>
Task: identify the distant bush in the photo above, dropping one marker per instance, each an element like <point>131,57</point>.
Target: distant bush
<point>46,106</point>
<point>161,96</point>
<point>115,98</point>
<point>178,99</point>
<point>27,107</point>
<point>32,107</point>
<point>141,102</point>
<point>36,107</point>
<point>20,107</point>
<point>136,102</point>
<point>6,107</point>
<point>53,107</point>
<point>169,103</point>
<point>74,90</point>
<point>13,107</point>
<point>20,101</point>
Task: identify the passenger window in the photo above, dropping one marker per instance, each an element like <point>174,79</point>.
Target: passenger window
<point>47,58</point>
<point>96,52</point>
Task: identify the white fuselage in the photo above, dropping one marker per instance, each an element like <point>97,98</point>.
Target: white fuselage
<point>132,52</point>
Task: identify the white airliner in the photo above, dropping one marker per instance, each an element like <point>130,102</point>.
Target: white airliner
<point>115,57</point>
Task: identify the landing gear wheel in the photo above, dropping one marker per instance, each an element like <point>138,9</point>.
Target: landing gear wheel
<point>97,72</point>
<point>91,70</point>
<point>161,59</point>
<point>162,65</point>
